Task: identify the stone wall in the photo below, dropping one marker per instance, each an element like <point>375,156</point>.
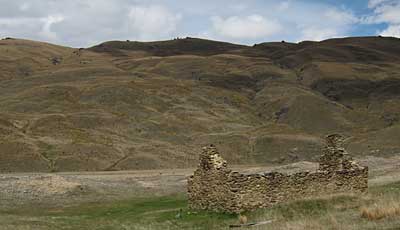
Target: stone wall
<point>215,187</point>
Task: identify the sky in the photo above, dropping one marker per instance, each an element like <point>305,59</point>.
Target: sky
<point>83,23</point>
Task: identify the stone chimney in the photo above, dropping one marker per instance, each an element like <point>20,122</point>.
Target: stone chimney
<point>334,141</point>
<point>210,159</point>
<point>335,157</point>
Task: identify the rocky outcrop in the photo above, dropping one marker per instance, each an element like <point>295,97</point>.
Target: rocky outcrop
<point>215,187</point>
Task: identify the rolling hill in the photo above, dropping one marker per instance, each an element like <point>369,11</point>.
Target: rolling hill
<point>141,105</point>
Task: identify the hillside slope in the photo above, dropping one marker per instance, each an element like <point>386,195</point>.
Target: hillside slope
<point>133,105</point>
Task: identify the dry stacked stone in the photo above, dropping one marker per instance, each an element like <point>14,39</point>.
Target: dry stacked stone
<point>335,156</point>
<point>216,188</point>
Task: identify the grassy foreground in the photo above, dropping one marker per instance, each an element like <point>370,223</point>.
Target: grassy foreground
<point>379,209</point>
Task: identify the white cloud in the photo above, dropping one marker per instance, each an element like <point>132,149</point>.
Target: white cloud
<point>318,34</point>
<point>248,27</point>
<point>284,5</point>
<point>85,22</point>
<point>82,23</point>
<point>150,22</point>
<point>48,22</point>
<point>385,11</point>
<point>239,7</point>
<point>286,20</point>
<point>341,17</point>
<point>374,3</point>
<point>24,6</point>
<point>40,28</point>
<point>392,30</point>
<point>331,22</point>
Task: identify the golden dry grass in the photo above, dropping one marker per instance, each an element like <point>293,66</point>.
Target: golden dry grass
<point>381,210</point>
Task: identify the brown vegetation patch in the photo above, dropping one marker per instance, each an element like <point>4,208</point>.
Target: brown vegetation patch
<point>381,210</point>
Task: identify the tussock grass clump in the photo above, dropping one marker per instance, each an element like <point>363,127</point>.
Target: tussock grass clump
<point>381,211</point>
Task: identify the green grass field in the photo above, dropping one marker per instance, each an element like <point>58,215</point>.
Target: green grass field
<point>379,209</point>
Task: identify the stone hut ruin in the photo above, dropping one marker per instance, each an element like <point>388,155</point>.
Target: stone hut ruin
<point>215,187</point>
